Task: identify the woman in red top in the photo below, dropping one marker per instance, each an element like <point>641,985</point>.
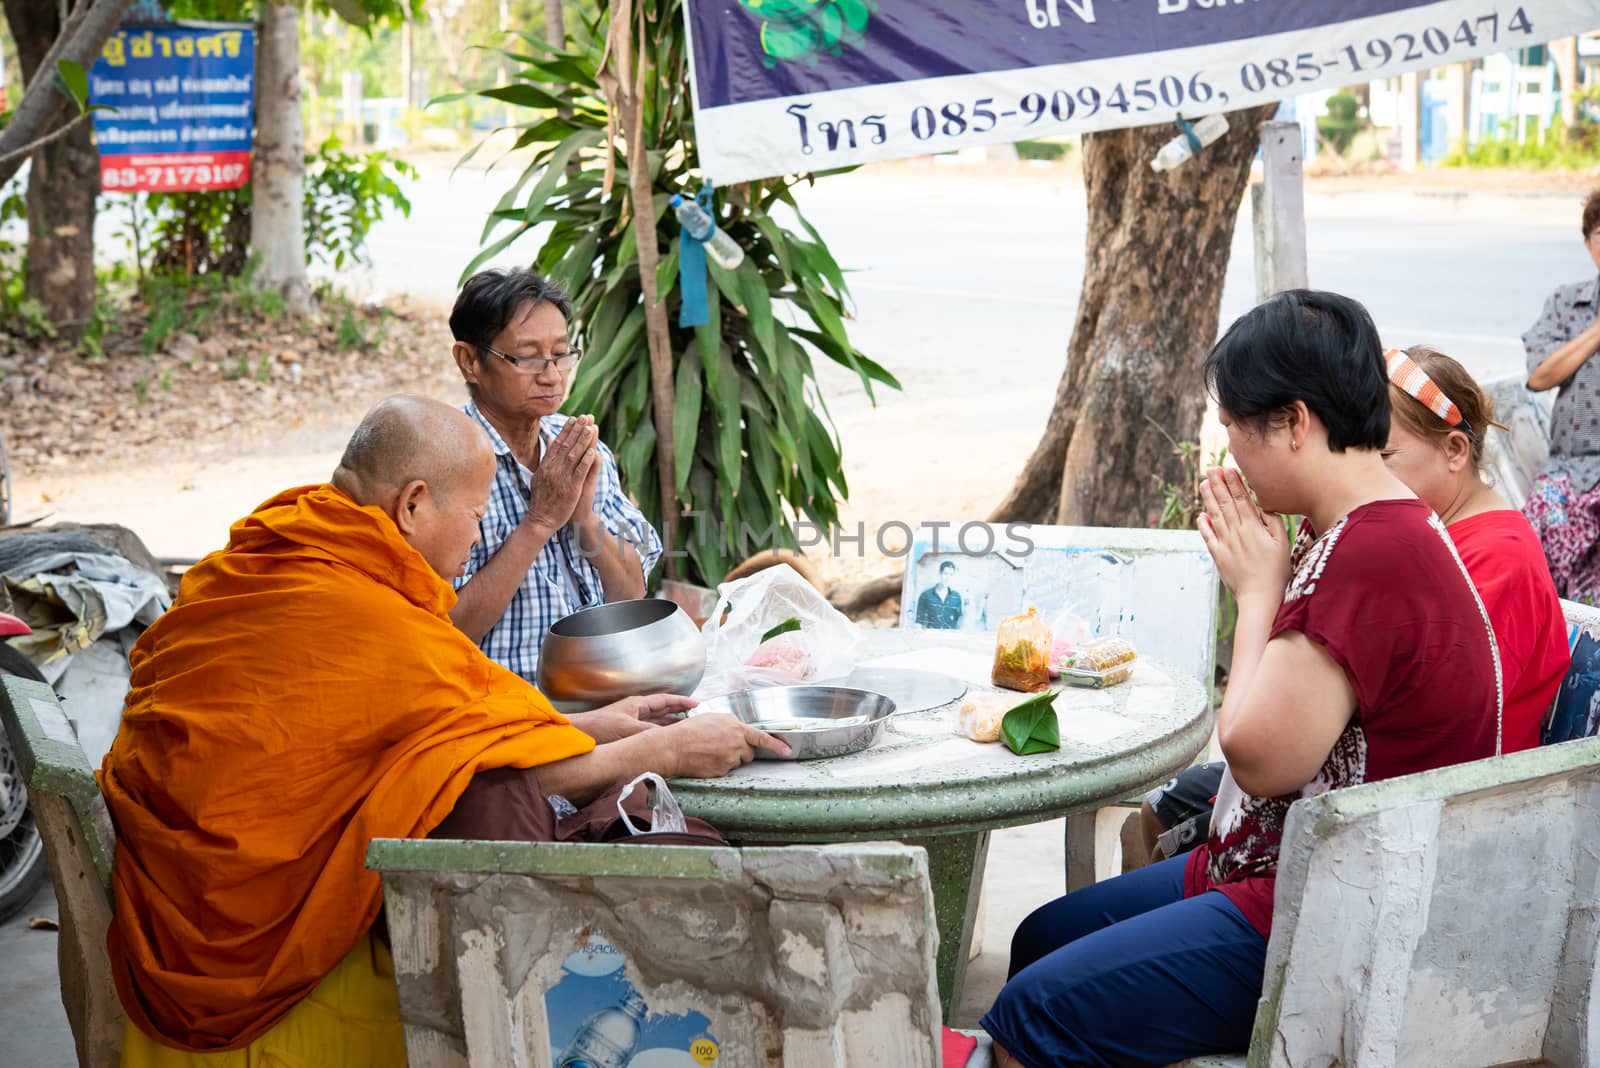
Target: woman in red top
<point>1362,654</point>
<point>1443,464</point>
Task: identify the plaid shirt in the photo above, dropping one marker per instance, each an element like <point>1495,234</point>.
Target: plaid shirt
<point>561,580</point>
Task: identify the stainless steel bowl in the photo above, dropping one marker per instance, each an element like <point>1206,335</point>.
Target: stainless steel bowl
<point>861,713</point>
<point>603,654</point>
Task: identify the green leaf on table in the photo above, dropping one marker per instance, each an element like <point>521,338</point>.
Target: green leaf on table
<point>1032,727</point>
<point>782,628</point>
<point>72,80</point>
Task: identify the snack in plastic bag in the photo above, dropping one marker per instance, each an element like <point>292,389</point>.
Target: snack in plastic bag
<point>772,617</point>
<point>1022,653</point>
<point>980,717</point>
<point>786,652</point>
<point>1099,664</point>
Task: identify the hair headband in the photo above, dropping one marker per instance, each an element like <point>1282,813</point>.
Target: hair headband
<point>1414,381</point>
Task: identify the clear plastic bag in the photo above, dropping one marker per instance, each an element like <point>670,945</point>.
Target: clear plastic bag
<point>665,815</point>
<point>1022,653</point>
<point>981,716</point>
<point>739,653</point>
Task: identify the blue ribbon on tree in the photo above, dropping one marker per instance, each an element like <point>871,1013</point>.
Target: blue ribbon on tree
<point>694,309</point>
<point>1188,131</point>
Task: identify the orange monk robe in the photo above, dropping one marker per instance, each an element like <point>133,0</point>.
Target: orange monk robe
<point>307,694</point>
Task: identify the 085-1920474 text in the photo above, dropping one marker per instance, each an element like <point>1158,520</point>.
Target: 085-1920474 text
<point>1197,92</point>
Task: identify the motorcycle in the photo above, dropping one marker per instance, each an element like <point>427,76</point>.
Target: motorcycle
<point>22,861</point>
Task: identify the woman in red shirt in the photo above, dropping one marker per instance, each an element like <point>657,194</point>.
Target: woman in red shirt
<point>1442,461</point>
<point>1362,654</point>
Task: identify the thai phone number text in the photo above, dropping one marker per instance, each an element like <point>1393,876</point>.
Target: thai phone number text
<point>1198,91</point>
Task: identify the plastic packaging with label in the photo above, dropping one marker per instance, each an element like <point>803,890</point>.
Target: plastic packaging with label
<point>1101,663</point>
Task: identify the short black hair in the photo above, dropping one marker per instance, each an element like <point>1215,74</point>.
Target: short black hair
<point>1305,345</point>
<point>1591,214</point>
<point>490,298</point>
<point>951,564</point>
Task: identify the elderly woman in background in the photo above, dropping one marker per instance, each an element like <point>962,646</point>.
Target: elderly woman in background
<point>559,534</point>
<point>1564,503</point>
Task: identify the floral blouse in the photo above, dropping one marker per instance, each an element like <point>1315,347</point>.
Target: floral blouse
<point>1575,427</point>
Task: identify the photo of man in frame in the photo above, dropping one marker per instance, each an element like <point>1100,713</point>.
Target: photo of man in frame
<point>940,607</point>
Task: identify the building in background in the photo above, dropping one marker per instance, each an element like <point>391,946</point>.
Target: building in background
<point>1519,96</point>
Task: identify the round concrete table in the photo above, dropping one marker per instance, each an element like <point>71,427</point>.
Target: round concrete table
<point>923,784</point>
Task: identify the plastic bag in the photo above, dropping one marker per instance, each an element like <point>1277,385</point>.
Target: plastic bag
<point>1022,653</point>
<point>820,644</point>
<point>981,715</point>
<point>664,816</point>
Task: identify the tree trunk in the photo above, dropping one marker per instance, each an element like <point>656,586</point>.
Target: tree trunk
<point>277,222</point>
<point>41,109</point>
<point>555,24</point>
<point>62,185</point>
<point>1158,247</point>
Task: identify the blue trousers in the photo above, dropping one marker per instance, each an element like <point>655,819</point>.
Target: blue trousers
<point>1129,972</point>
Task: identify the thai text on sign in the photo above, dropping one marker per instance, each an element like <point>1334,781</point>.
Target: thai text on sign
<point>184,108</point>
<point>785,86</point>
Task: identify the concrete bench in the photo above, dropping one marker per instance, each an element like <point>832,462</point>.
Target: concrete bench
<point>520,954</point>
<point>79,845</point>
<point>1441,917</point>
<point>1447,918</point>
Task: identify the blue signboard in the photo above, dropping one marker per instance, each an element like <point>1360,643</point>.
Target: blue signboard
<point>184,108</point>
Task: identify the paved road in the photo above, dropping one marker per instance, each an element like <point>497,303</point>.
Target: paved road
<point>955,269</point>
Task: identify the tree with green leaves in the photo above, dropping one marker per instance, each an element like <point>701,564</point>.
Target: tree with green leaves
<point>724,419</point>
<point>56,44</point>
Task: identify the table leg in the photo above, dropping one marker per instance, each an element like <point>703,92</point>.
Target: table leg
<point>1081,849</point>
<point>955,867</point>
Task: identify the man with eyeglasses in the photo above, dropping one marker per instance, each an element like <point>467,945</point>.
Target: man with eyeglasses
<point>559,533</point>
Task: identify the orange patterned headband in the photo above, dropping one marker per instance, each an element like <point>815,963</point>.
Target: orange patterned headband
<point>1414,381</point>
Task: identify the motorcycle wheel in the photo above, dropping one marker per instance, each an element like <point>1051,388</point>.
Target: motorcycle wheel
<point>22,862</point>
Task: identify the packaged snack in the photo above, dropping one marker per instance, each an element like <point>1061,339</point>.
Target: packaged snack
<point>1022,653</point>
<point>786,652</point>
<point>980,717</point>
<point>1101,663</point>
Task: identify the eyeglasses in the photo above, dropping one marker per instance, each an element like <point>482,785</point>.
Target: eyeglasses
<point>563,362</point>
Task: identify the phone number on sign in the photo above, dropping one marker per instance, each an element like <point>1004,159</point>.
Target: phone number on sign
<point>177,177</point>
<point>1194,92</point>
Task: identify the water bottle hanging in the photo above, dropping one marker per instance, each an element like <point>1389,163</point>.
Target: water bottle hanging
<point>694,310</point>
<point>699,237</point>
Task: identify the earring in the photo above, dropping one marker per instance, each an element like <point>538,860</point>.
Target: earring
<point>1294,445</point>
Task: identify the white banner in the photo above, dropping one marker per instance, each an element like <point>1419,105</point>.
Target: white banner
<point>750,124</point>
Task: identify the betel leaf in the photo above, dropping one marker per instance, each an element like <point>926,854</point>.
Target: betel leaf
<point>1032,727</point>
<point>782,628</point>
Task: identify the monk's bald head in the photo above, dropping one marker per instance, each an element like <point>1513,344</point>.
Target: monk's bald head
<point>430,467</point>
<point>405,439</point>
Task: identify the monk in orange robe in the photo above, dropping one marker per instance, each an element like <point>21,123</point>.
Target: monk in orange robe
<point>308,693</point>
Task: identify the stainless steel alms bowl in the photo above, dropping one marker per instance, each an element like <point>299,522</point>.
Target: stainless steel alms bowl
<point>800,716</point>
<point>603,654</point>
